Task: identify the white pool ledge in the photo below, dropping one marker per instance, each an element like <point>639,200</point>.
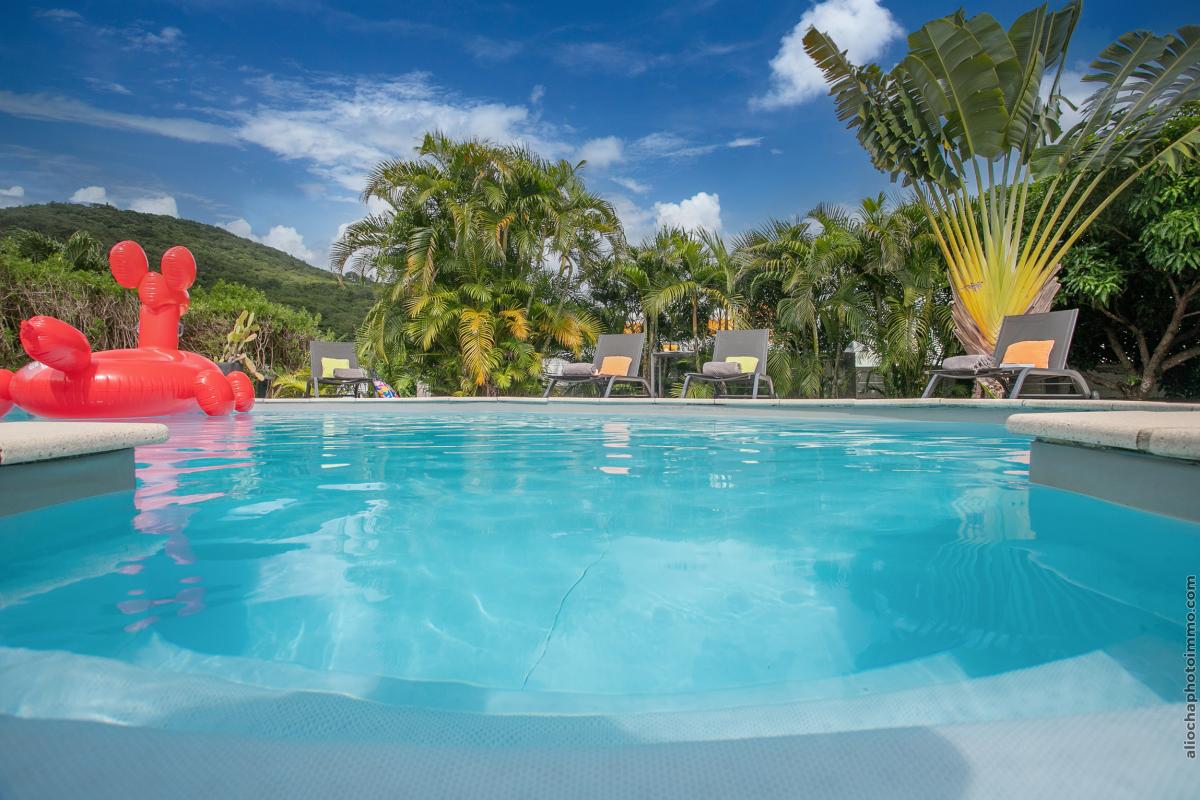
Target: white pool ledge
<point>26,442</point>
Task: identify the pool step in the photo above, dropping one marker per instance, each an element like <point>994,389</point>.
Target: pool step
<point>43,685</point>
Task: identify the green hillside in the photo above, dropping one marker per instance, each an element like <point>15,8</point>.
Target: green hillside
<point>219,254</point>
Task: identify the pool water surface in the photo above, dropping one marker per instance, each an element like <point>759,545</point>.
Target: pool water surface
<point>574,563</point>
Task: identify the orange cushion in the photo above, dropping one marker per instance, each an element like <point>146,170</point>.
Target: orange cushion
<point>1033,352</point>
<point>615,365</point>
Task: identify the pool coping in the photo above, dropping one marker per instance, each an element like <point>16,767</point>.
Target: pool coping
<point>49,462</point>
<point>1141,459</point>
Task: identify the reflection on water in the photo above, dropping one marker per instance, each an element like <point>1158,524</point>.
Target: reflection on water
<point>644,556</point>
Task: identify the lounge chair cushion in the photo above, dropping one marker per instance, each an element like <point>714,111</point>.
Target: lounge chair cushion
<point>328,365</point>
<point>615,365</point>
<point>1035,353</point>
<point>350,373</point>
<point>721,369</point>
<point>746,364</point>
<point>578,370</point>
<point>976,363</point>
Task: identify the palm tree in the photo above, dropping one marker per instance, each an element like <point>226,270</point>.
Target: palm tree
<point>971,119</point>
<point>701,276</point>
<point>462,251</point>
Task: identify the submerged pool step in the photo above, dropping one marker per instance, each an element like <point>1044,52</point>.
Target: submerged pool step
<point>59,685</point>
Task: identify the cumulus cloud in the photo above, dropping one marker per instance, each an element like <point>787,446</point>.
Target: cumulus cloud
<point>163,204</point>
<point>12,196</point>
<point>701,210</point>
<point>602,152</point>
<point>638,222</point>
<point>537,94</point>
<point>281,237</point>
<point>864,28</point>
<point>635,186</point>
<point>90,194</point>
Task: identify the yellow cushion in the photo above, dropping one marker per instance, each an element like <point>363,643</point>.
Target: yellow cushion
<point>745,363</point>
<point>615,365</point>
<point>1033,352</point>
<point>328,365</point>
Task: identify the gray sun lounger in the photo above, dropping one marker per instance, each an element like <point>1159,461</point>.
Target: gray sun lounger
<point>1058,326</point>
<point>355,376</point>
<point>737,343</point>
<point>609,344</point>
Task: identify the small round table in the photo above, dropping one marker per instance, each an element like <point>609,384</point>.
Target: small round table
<point>665,356</point>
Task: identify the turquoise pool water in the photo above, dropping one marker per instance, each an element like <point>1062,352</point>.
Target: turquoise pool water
<point>574,563</point>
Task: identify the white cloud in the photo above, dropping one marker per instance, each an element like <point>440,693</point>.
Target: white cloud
<point>638,222</point>
<point>90,194</point>
<point>12,196</point>
<point>663,144</point>
<point>344,127</point>
<point>701,210</point>
<point>1073,89</point>
<point>602,152</point>
<point>745,141</point>
<point>289,240</point>
<point>537,94</point>
<point>62,14</point>
<point>281,237</point>
<point>107,86</point>
<point>167,38</point>
<point>863,28</point>
<point>635,186</point>
<point>163,204</point>
<point>62,109</point>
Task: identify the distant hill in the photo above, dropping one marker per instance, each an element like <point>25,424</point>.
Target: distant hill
<point>219,254</point>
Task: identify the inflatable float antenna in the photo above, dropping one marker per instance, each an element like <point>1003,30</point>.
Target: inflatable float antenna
<point>163,295</point>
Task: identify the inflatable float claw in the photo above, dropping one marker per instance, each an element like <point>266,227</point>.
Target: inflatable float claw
<point>67,379</point>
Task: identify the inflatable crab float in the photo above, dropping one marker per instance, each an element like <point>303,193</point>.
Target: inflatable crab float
<point>67,379</point>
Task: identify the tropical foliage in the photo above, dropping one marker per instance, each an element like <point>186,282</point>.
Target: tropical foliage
<point>871,277</point>
<point>481,249</point>
<point>970,119</point>
<point>1136,273</point>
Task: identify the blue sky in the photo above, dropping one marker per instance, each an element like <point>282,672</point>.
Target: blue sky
<point>264,116</point>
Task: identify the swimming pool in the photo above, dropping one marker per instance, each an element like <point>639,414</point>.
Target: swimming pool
<point>530,563</point>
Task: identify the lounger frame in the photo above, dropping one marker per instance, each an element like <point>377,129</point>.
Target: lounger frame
<point>737,343</point>
<point>1056,325</point>
<point>609,344</point>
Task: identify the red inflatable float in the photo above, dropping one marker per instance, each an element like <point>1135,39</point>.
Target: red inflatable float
<point>66,379</point>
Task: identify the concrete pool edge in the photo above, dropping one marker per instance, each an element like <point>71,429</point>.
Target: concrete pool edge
<point>45,463</point>
<point>1144,460</point>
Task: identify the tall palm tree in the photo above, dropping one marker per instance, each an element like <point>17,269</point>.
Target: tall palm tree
<point>462,250</point>
<point>702,277</point>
